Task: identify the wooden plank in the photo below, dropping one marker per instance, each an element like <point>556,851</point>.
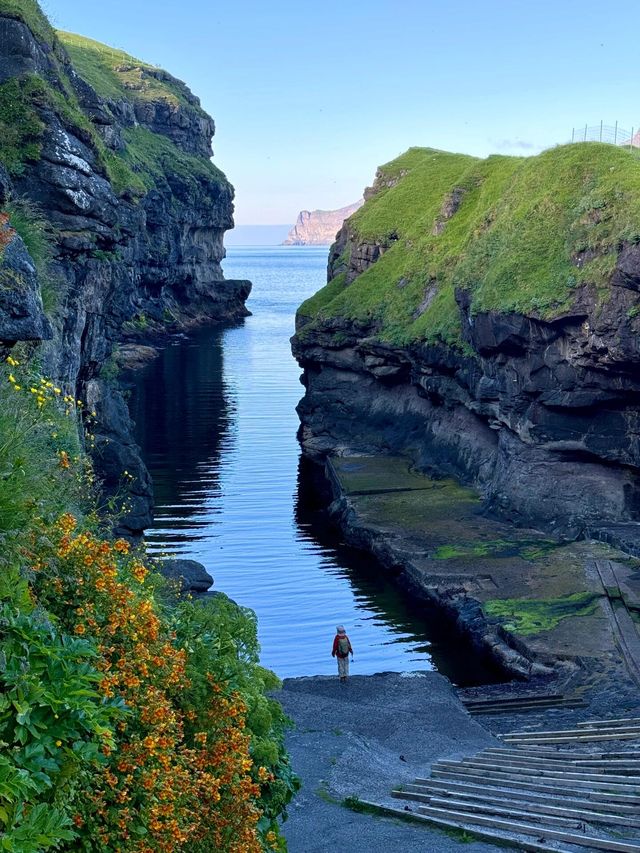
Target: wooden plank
<point>531,697</point>
<point>625,768</point>
<point>579,800</point>
<point>589,724</point>
<point>625,635</point>
<point>608,578</point>
<point>560,772</point>
<point>546,785</point>
<point>521,709</point>
<point>592,780</point>
<point>592,738</point>
<point>551,752</point>
<point>514,813</point>
<point>605,730</point>
<point>478,832</point>
<point>582,813</point>
<point>631,755</point>
<point>526,829</point>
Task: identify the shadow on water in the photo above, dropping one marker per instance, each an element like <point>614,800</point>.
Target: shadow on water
<point>451,653</point>
<point>184,418</point>
<point>216,422</point>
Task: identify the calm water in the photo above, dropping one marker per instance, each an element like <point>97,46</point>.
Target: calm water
<point>216,421</point>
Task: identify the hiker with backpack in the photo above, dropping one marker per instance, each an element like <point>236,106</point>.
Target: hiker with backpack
<point>341,650</point>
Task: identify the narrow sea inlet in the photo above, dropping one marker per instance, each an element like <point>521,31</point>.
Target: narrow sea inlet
<point>215,417</point>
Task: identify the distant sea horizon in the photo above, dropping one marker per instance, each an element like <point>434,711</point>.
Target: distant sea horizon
<point>257,235</point>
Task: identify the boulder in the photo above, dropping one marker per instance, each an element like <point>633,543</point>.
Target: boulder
<point>192,576</point>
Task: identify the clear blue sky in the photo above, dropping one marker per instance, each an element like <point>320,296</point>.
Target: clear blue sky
<point>310,97</point>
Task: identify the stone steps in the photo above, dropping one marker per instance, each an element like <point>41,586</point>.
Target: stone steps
<point>557,786</point>
<point>519,704</point>
<point>629,766</point>
<point>583,809</point>
<point>522,828</point>
<point>590,724</point>
<point>597,731</point>
<point>553,754</point>
<point>487,766</point>
<point>585,801</point>
<point>504,839</point>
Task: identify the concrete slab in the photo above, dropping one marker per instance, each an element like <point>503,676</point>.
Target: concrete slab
<point>363,739</point>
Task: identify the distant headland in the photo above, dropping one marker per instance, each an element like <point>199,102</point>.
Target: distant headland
<point>319,227</point>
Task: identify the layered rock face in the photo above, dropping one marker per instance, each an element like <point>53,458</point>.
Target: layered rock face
<point>538,408</point>
<point>115,156</point>
<point>319,227</point>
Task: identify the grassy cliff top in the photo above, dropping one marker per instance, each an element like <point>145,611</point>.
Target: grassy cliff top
<point>520,234</point>
<point>148,160</point>
<point>115,74</point>
<point>30,13</point>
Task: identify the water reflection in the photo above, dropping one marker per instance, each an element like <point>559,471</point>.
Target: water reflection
<point>216,421</point>
<point>185,420</point>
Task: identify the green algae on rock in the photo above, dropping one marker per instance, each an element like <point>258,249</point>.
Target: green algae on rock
<point>532,616</point>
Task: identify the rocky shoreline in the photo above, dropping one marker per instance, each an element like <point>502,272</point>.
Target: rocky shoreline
<point>533,604</point>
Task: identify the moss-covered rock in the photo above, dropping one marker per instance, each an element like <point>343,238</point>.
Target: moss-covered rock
<point>518,234</point>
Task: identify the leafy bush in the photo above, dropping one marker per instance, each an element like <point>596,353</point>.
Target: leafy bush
<point>128,720</point>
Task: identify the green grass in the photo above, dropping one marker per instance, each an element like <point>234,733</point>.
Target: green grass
<point>154,158</point>
<point>149,158</point>
<point>38,236</point>
<point>115,74</point>
<point>30,13</point>
<point>30,223</point>
<point>21,127</point>
<point>512,243</point>
<point>532,616</point>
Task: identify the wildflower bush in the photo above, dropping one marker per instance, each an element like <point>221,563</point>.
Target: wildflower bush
<point>129,720</point>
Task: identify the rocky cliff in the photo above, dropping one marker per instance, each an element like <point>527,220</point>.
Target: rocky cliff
<point>116,215</point>
<point>319,227</point>
<point>483,318</point>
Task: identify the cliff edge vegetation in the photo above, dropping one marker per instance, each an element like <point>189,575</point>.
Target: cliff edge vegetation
<point>119,215</point>
<point>520,235</point>
<point>130,718</point>
<point>490,311</point>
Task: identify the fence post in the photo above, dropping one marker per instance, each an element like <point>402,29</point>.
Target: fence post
<point>573,133</point>
<point>600,130</point>
<point>615,134</point>
<point>631,140</point>
<point>585,133</point>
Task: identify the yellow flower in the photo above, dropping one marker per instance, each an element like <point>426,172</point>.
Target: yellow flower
<point>58,743</point>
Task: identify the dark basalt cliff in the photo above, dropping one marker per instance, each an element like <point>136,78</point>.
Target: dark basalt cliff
<point>112,158</point>
<point>409,350</point>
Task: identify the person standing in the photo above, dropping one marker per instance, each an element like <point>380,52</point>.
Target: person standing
<point>341,650</point>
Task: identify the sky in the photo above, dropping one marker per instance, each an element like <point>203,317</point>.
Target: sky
<point>309,98</point>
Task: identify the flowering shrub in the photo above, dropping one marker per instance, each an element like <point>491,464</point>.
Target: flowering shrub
<point>128,721</point>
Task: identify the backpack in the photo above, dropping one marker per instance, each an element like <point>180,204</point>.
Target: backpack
<point>343,646</point>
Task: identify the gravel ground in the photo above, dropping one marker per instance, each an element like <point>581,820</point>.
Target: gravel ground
<point>362,739</point>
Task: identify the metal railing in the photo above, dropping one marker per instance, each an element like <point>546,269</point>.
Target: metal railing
<point>612,134</point>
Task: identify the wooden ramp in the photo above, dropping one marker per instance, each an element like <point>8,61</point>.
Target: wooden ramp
<point>595,730</point>
<point>622,605</point>
<point>540,798</point>
<point>519,704</point>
